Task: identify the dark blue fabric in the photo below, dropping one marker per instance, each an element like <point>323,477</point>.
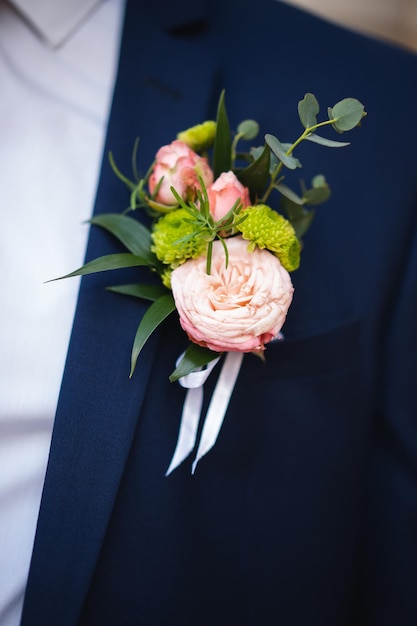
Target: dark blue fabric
<point>305,512</point>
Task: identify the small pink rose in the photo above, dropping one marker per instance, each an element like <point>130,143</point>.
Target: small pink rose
<point>180,167</point>
<point>235,309</point>
<point>223,194</point>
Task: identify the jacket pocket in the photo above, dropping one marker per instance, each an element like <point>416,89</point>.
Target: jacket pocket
<point>311,355</point>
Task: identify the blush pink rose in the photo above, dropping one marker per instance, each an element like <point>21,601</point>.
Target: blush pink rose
<point>235,309</point>
<point>180,167</point>
<point>223,194</point>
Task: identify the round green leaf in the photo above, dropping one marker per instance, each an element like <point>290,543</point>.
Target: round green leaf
<point>347,114</point>
<point>248,129</point>
<point>308,109</point>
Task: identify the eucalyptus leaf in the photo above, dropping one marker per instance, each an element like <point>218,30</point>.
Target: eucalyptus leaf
<point>308,109</point>
<point>347,114</point>
<point>288,193</point>
<point>248,129</point>
<point>146,292</point>
<point>222,156</point>
<point>256,175</point>
<point>319,181</point>
<point>303,223</point>
<point>153,317</point>
<point>256,152</point>
<point>130,232</point>
<point>330,143</point>
<point>317,195</point>
<point>106,263</point>
<point>299,216</point>
<point>277,148</point>
<point>194,357</point>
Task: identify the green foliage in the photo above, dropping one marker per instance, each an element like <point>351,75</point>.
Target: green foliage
<point>131,233</point>
<point>346,114</point>
<point>248,129</point>
<point>194,357</point>
<point>256,175</point>
<point>318,193</point>
<point>308,109</point>
<point>144,292</point>
<point>222,141</point>
<point>159,310</point>
<point>280,152</point>
<point>297,213</point>
<point>323,141</point>
<point>106,263</point>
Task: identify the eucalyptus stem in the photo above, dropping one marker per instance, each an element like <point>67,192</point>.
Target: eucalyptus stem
<point>234,146</point>
<point>307,132</point>
<point>290,150</point>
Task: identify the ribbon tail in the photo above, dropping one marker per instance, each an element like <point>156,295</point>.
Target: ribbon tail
<point>188,427</point>
<point>218,404</point>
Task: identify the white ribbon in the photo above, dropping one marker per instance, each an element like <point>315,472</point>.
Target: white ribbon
<point>216,411</point>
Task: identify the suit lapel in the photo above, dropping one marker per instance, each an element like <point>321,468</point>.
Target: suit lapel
<point>99,406</point>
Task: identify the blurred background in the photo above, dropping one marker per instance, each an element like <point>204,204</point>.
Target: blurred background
<point>392,20</point>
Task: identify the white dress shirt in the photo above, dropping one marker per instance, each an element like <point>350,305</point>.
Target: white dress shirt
<point>54,105</point>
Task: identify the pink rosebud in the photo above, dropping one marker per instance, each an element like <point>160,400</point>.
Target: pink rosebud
<point>235,309</point>
<point>223,194</point>
<point>180,167</point>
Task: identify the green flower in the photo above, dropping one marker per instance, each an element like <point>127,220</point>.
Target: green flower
<point>175,238</point>
<point>199,137</point>
<point>166,277</point>
<point>266,228</point>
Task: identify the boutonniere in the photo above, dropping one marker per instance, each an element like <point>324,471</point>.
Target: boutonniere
<point>226,234</point>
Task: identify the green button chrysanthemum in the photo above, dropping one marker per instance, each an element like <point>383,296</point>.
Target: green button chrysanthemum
<point>166,277</point>
<point>266,228</point>
<point>199,137</point>
<point>175,240</point>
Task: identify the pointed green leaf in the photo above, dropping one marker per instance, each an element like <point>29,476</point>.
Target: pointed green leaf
<point>130,232</point>
<point>146,292</point>
<point>347,114</point>
<point>106,263</point>
<point>277,148</point>
<point>256,175</point>
<point>194,357</point>
<point>288,193</point>
<point>330,143</point>
<point>308,109</point>
<point>155,315</point>
<point>222,141</point>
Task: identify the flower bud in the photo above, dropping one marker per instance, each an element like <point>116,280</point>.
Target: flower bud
<point>223,194</point>
<point>177,166</point>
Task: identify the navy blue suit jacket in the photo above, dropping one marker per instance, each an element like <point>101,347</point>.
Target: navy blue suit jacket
<point>305,512</point>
